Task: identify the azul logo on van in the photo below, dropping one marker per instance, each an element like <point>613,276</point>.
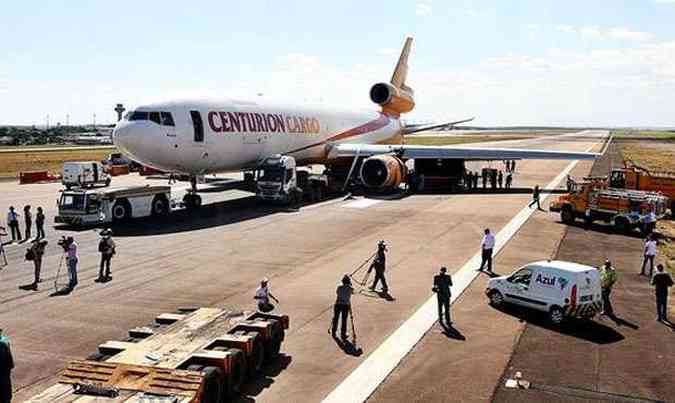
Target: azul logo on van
<point>543,280</point>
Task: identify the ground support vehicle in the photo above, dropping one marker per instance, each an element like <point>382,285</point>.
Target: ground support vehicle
<point>593,201</point>
<point>634,177</point>
<point>84,174</point>
<point>562,289</point>
<point>97,206</point>
<point>278,180</point>
<point>196,355</point>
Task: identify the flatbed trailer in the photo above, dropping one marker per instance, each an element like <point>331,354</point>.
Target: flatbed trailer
<point>196,355</point>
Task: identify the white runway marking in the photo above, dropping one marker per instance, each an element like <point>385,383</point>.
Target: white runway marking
<point>362,203</point>
<point>365,379</point>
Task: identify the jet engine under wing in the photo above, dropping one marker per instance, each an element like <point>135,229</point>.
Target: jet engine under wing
<point>464,153</point>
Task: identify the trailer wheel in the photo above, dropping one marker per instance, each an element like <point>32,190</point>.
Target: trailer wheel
<point>621,224</point>
<point>255,363</point>
<point>273,345</point>
<point>121,210</point>
<point>213,385</point>
<point>160,206</point>
<point>496,298</point>
<point>319,193</point>
<point>566,215</point>
<point>238,371</point>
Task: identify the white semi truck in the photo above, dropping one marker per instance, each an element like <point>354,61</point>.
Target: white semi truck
<point>278,180</point>
<point>98,206</point>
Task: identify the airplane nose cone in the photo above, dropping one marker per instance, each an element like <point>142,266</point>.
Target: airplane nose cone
<point>135,139</point>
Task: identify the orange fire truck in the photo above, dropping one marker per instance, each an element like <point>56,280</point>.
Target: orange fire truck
<point>637,178</point>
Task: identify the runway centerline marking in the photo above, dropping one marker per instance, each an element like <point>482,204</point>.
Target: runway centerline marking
<point>364,380</point>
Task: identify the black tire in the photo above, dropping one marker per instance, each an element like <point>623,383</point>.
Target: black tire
<point>160,206</point>
<point>556,315</point>
<point>273,345</point>
<point>107,182</point>
<point>621,224</point>
<point>213,385</point>
<point>255,361</point>
<point>192,201</point>
<point>496,298</point>
<point>567,216</point>
<point>319,193</point>
<point>121,210</point>
<point>237,375</point>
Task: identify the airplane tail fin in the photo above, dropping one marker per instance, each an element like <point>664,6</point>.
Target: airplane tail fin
<point>401,70</point>
<point>396,97</point>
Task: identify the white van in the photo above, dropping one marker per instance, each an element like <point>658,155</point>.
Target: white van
<point>84,174</point>
<point>563,289</point>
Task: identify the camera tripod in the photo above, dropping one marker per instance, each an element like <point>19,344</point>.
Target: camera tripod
<point>58,274</point>
<point>3,255</point>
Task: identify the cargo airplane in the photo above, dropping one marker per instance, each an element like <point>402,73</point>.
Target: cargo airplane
<point>200,137</point>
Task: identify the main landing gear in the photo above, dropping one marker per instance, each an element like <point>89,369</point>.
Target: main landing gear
<point>192,200</point>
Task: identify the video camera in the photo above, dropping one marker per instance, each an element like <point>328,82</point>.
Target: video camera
<point>65,242</point>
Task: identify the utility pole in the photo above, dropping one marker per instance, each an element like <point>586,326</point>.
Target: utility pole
<point>67,119</point>
<point>94,121</point>
<point>47,122</point>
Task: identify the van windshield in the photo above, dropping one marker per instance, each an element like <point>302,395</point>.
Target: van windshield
<point>70,201</point>
<point>271,175</point>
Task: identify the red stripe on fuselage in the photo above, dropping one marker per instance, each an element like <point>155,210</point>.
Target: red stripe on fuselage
<point>371,126</point>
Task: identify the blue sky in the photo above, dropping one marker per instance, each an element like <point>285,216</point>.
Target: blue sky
<point>517,62</point>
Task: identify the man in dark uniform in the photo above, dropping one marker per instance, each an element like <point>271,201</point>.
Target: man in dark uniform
<point>379,264</point>
<point>6,366</point>
<point>661,282</point>
<point>342,306</point>
<point>484,175</point>
<point>442,284</point>
<point>500,179</point>
<point>535,198</point>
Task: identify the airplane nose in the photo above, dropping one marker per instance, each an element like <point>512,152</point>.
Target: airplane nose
<point>133,139</point>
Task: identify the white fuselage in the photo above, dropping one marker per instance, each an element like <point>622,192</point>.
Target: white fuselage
<point>238,135</point>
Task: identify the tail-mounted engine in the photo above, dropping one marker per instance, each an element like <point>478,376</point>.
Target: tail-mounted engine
<point>383,172</point>
<point>393,100</point>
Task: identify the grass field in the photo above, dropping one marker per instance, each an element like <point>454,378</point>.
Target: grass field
<point>464,139</point>
<point>11,163</point>
<point>644,135</point>
<point>657,156</point>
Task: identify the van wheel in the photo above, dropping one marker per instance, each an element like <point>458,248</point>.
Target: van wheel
<point>107,182</point>
<point>160,206</point>
<point>556,315</point>
<point>121,210</point>
<point>496,298</point>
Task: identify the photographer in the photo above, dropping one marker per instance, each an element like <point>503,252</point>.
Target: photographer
<point>35,253</point>
<point>106,247</point>
<point>70,248</point>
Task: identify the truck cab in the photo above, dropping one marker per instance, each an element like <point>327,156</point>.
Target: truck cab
<point>276,179</point>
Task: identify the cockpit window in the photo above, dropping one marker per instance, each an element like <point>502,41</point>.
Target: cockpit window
<point>138,115</point>
<point>167,119</point>
<point>154,116</point>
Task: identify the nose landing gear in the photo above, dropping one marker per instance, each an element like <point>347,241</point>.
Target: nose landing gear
<point>192,200</point>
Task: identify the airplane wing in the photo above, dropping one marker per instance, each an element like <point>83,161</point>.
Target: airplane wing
<point>452,152</point>
<point>420,128</point>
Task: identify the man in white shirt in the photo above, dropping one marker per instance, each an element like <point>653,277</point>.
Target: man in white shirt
<point>263,295</point>
<point>650,253</point>
<point>486,245</point>
<point>13,224</point>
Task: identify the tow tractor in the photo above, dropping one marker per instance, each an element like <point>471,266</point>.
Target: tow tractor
<point>98,206</point>
<point>279,181</point>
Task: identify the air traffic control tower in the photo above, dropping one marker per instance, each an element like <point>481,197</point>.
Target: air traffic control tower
<point>120,110</point>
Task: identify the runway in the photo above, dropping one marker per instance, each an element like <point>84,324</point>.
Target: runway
<point>217,256</point>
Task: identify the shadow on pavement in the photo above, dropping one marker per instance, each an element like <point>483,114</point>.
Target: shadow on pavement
<point>348,347</point>
<point>602,228</point>
<point>257,385</point>
<point>622,322</point>
<point>453,333</point>
<point>589,330</point>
